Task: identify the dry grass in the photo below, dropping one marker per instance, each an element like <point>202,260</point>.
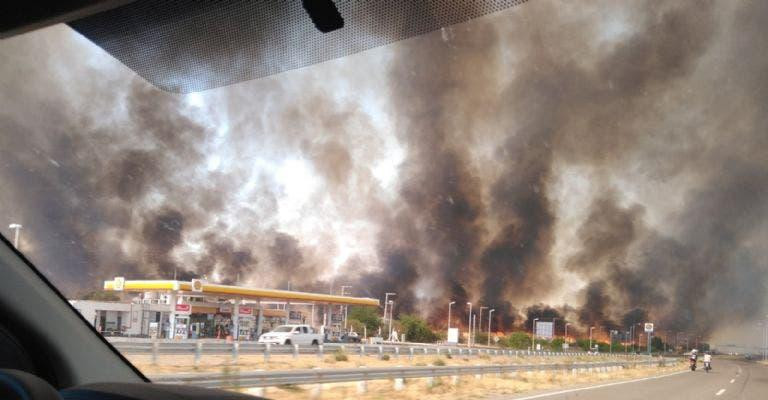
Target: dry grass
<point>466,387</point>
<point>168,364</point>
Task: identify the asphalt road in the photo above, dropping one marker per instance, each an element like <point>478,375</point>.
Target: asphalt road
<point>728,379</point>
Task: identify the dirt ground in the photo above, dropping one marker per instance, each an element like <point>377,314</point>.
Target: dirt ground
<point>169,364</point>
<point>466,387</point>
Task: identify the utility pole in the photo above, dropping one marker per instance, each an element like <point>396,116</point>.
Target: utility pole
<point>533,335</point>
<point>449,313</point>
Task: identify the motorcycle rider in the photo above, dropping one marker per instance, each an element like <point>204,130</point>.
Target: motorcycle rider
<point>707,361</point>
<point>693,357</point>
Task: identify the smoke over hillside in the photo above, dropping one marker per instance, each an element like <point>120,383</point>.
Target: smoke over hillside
<point>611,161</point>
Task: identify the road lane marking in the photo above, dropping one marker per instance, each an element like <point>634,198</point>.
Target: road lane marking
<point>598,386</point>
<point>733,380</point>
<point>719,392</point>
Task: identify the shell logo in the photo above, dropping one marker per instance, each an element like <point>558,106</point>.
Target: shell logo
<point>197,285</point>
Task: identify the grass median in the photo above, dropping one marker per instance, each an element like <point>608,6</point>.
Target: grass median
<point>170,364</point>
<point>464,387</point>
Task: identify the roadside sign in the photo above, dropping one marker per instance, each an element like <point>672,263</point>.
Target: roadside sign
<point>648,327</point>
<point>565,346</point>
<point>545,329</point>
<point>197,285</point>
<point>225,308</point>
<point>453,335</point>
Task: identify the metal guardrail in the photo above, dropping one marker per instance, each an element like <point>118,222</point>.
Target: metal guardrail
<point>316,376</point>
<point>242,348</point>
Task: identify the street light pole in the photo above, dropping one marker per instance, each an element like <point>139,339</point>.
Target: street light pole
<point>480,322</point>
<point>490,314</point>
<point>449,313</point>
<point>610,339</point>
<point>386,305</point>
<point>391,316</point>
<point>474,329</point>
<point>469,325</point>
<point>17,228</point>
<point>590,337</point>
<point>533,335</point>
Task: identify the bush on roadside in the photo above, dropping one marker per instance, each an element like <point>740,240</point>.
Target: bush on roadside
<point>385,357</point>
<point>339,355</point>
<point>439,362</point>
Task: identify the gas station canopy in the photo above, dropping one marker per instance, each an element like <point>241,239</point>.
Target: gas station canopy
<point>198,287</point>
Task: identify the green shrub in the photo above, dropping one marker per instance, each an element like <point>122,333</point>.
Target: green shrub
<point>439,362</point>
<point>339,355</point>
<point>385,357</point>
<point>416,329</point>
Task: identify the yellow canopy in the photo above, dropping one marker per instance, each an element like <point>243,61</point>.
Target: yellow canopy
<point>227,291</point>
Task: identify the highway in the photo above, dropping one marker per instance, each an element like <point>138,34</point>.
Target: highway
<point>729,379</point>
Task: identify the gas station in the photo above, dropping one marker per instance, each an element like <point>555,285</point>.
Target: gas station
<point>199,309</point>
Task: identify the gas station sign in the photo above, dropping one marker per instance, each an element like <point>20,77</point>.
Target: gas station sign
<point>243,310</point>
<point>183,308</point>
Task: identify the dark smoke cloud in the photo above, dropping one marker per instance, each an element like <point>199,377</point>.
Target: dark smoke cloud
<point>656,108</point>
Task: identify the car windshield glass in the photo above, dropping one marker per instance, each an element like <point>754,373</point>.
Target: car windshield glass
<point>544,184</point>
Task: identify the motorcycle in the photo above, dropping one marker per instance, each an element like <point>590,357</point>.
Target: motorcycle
<point>707,366</point>
<point>693,364</point>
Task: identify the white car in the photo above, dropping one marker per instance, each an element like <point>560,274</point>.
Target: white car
<point>292,334</point>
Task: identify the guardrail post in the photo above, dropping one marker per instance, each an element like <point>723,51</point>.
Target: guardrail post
<point>461,351</point>
<point>425,351</point>
<point>317,391</point>
<point>155,346</point>
<point>198,352</point>
<point>381,351</point>
<point>362,350</point>
<point>267,350</point>
<point>410,355</point>
<point>450,351</point>
<point>479,374</point>
<point>296,350</point>
<point>362,385</point>
<point>454,380</point>
<point>399,384</point>
<point>397,351</point>
<point>438,351</point>
<point>320,351</point>
<point>235,350</point>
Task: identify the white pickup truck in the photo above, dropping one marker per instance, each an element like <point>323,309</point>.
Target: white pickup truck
<point>292,334</point>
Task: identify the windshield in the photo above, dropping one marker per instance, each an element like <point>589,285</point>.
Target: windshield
<point>552,183</point>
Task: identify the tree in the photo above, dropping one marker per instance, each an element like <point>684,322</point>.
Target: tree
<point>100,295</point>
<point>657,344</point>
<point>518,340</point>
<point>416,329</point>
<point>367,316</point>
